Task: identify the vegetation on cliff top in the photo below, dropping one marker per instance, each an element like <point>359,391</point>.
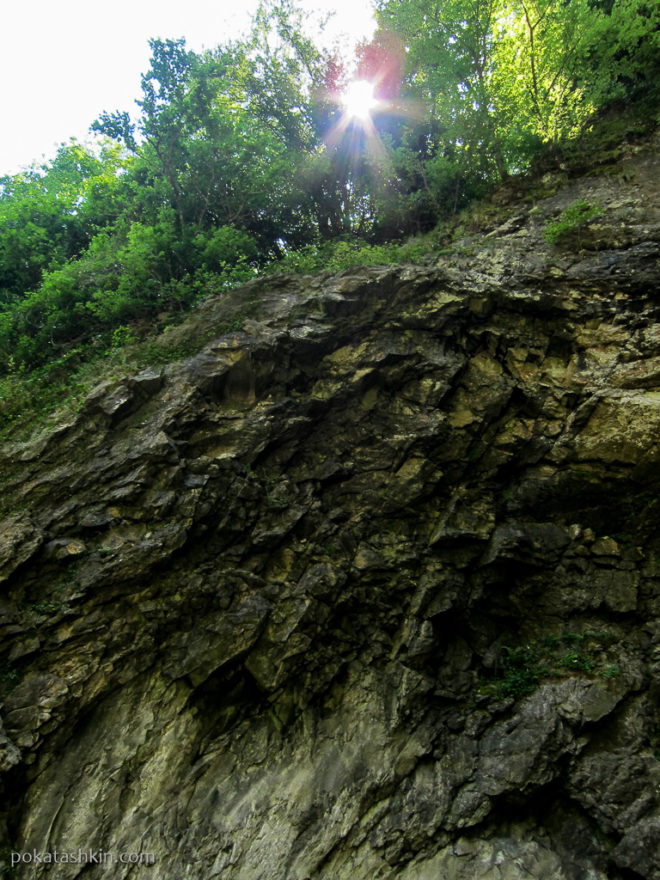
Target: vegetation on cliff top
<point>248,158</point>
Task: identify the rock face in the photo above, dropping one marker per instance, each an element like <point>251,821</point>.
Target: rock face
<point>367,589</point>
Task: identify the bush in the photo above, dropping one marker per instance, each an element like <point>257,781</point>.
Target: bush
<point>340,254</point>
<point>129,273</point>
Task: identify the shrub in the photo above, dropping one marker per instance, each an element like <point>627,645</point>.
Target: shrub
<point>571,222</point>
<point>121,336</point>
<point>344,253</point>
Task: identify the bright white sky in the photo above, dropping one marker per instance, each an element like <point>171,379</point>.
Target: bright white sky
<point>65,61</point>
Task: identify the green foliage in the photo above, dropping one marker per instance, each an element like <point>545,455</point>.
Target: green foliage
<point>225,247</point>
<point>571,222</point>
<point>539,75</point>
<point>520,671</point>
<point>221,131</point>
<point>48,606</point>
<point>122,336</point>
<point>49,213</point>
<point>521,668</point>
<point>502,77</point>
<point>574,660</point>
<point>135,271</point>
<point>621,56</point>
<point>31,399</point>
<point>339,254</point>
<point>241,161</point>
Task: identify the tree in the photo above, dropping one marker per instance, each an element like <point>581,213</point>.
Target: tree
<point>49,213</point>
<point>449,61</point>
<point>537,71</point>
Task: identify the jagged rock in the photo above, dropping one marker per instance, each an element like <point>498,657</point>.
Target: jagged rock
<point>19,539</point>
<point>367,589</point>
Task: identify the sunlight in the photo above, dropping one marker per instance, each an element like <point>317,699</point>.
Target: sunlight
<point>359,99</point>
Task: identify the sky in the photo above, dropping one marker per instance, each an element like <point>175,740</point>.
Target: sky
<point>62,63</point>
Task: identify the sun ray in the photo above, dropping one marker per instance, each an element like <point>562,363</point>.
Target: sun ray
<point>359,100</point>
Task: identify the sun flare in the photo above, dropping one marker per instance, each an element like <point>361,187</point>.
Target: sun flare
<point>359,99</point>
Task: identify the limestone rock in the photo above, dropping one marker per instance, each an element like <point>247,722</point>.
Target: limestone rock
<point>368,589</point>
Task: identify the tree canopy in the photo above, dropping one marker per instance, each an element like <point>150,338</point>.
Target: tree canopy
<point>240,156</point>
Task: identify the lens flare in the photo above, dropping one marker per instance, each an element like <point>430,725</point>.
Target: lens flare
<point>359,100</point>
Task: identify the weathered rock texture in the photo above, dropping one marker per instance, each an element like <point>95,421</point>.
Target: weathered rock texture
<point>368,589</point>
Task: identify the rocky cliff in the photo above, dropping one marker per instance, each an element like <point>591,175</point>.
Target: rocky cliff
<point>368,588</point>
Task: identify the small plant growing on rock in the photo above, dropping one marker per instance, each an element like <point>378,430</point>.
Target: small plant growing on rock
<point>520,672</point>
<point>522,668</point>
<point>571,222</point>
<point>574,660</point>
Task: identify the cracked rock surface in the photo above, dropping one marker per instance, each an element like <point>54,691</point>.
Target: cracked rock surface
<point>367,589</point>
